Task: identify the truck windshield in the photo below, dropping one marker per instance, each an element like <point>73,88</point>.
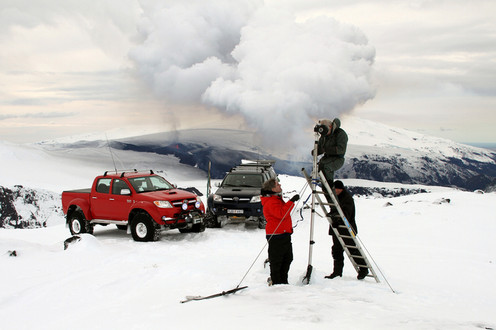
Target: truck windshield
<point>242,180</point>
<point>150,183</point>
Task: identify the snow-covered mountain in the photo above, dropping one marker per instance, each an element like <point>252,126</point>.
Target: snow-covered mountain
<point>375,152</point>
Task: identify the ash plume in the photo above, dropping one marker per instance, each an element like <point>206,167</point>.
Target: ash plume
<point>247,58</point>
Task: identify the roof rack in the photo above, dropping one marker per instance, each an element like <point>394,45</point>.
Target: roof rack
<point>255,162</point>
<point>257,169</point>
<point>258,165</point>
<point>123,172</point>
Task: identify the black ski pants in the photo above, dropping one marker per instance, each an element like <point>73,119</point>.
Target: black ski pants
<point>280,257</point>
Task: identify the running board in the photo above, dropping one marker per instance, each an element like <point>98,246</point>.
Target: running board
<point>109,222</point>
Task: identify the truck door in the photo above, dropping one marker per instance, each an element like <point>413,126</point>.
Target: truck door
<point>100,199</point>
<point>120,199</point>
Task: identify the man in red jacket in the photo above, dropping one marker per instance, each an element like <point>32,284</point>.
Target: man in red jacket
<point>278,230</point>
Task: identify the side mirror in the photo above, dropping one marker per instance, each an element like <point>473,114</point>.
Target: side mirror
<point>125,191</point>
<point>217,184</point>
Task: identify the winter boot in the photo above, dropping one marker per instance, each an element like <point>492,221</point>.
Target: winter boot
<point>337,270</point>
<point>333,275</point>
<point>362,273</point>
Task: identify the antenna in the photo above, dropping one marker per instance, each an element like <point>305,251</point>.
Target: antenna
<point>111,154</point>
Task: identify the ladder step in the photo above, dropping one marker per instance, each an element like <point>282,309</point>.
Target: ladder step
<point>355,256</point>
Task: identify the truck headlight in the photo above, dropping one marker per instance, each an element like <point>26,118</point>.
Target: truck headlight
<point>255,199</point>
<point>163,204</point>
<point>198,202</point>
<point>217,198</point>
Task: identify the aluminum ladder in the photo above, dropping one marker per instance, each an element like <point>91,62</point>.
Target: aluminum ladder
<point>344,232</point>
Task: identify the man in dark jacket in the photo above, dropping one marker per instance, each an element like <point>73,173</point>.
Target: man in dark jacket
<point>278,230</point>
<point>333,146</point>
<point>348,207</point>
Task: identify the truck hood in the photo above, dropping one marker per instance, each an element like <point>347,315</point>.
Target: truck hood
<point>169,195</point>
<point>238,191</point>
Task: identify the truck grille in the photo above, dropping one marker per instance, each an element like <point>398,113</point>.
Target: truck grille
<point>236,199</point>
<point>178,203</point>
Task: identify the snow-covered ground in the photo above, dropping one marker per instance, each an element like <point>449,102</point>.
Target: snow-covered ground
<point>440,259</point>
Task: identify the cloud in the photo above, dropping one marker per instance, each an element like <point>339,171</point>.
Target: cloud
<point>38,115</point>
<point>251,59</point>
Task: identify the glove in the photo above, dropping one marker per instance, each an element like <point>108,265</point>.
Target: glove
<point>295,198</point>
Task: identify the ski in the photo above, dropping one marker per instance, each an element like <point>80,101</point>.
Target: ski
<point>223,293</point>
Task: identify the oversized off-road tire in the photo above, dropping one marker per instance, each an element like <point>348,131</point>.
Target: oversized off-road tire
<point>185,230</point>
<point>143,228</point>
<point>211,220</point>
<point>78,224</point>
<point>198,228</point>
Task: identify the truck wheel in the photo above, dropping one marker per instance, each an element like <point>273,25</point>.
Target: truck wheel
<point>143,228</point>
<point>211,220</point>
<point>78,224</point>
<point>198,228</point>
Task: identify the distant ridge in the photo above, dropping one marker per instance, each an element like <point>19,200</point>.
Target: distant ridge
<point>375,152</point>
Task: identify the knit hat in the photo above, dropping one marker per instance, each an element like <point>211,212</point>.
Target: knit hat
<point>326,122</point>
<point>338,184</point>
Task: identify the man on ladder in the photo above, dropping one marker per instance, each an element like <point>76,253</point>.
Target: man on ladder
<point>332,143</point>
<point>348,206</point>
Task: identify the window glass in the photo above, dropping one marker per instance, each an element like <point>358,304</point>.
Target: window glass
<point>243,180</point>
<point>150,183</point>
<point>103,185</point>
<point>118,185</point>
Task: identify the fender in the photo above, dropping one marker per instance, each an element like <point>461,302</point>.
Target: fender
<point>83,204</point>
<point>150,208</point>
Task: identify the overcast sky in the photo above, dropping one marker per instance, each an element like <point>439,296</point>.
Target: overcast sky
<point>69,67</point>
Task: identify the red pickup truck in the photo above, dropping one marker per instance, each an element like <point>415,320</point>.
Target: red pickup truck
<point>145,202</point>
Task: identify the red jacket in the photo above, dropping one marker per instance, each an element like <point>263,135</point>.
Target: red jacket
<point>274,209</point>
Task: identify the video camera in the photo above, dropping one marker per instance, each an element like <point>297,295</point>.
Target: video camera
<point>321,129</point>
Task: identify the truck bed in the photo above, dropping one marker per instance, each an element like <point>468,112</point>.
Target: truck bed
<point>81,191</point>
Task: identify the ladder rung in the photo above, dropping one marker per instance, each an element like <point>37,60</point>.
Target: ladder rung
<point>358,256</point>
